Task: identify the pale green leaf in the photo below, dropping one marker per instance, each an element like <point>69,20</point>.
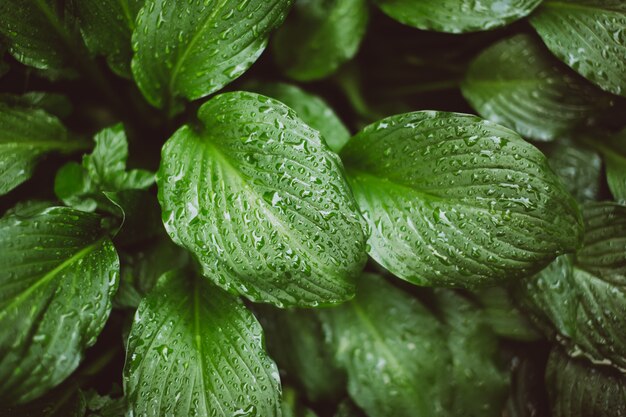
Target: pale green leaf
<point>589,36</point>
<point>519,84</point>
<point>58,274</point>
<point>312,109</point>
<point>583,296</point>
<point>106,26</point>
<point>196,351</point>
<point>26,135</point>
<point>262,202</point>
<point>456,16</point>
<point>319,36</point>
<point>193,48</point>
<point>453,200</point>
<point>576,388</point>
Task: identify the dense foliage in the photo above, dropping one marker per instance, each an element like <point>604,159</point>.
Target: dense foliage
<point>262,208</point>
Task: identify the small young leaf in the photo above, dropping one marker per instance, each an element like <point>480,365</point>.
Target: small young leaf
<point>453,200</point>
<point>457,16</point>
<point>519,84</point>
<point>310,108</point>
<point>57,277</point>
<point>27,134</point>
<point>195,351</point>
<point>319,36</point>
<point>583,296</point>
<point>193,48</point>
<point>296,342</point>
<point>578,389</point>
<point>106,26</point>
<point>394,351</point>
<point>39,33</point>
<point>589,36</point>
<point>262,202</point>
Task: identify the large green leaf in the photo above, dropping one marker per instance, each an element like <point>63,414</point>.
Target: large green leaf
<point>197,351</point>
<point>394,352</point>
<point>40,33</point>
<point>27,134</point>
<point>456,16</point>
<point>579,167</point>
<point>454,200</point>
<point>262,202</point>
<point>613,150</point>
<point>58,274</point>
<point>578,389</point>
<point>519,84</point>
<point>312,109</point>
<point>319,36</point>
<point>193,48</point>
<point>107,26</point>
<point>295,341</point>
<point>589,36</point>
<point>583,296</point>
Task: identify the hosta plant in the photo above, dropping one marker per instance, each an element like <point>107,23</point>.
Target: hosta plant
<point>270,208</point>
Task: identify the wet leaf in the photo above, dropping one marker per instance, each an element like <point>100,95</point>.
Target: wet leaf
<point>262,203</point>
<point>453,200</point>
<point>58,274</point>
<point>194,351</point>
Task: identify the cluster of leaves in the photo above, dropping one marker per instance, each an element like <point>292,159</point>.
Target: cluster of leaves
<point>257,258</point>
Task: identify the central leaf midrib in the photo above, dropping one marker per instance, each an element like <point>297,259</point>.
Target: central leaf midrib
<point>44,279</point>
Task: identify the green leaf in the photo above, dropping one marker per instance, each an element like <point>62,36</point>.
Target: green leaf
<point>578,389</point>
<point>319,36</point>
<point>457,16</point>
<point>140,214</point>
<point>589,36</point>
<point>106,26</point>
<point>26,135</point>
<point>583,296</point>
<point>480,384</point>
<point>312,109</point>
<point>40,33</point>
<point>58,274</point>
<point>141,269</point>
<point>55,104</point>
<point>291,407</point>
<point>394,351</point>
<point>195,351</point>
<point>613,150</point>
<point>262,203</point>
<point>453,200</point>
<point>580,169</point>
<point>347,408</point>
<point>503,317</point>
<point>296,342</point>
<point>63,401</point>
<point>104,170</point>
<point>193,48</point>
<point>519,84</point>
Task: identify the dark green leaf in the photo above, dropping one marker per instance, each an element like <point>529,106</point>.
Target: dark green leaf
<point>580,169</point>
<point>57,277</point>
<point>613,149</point>
<point>140,213</point>
<point>193,48</point>
<point>262,202</point>
<point>579,389</point>
<point>589,36</point>
<point>312,109</point>
<point>528,396</point>
<point>394,351</point>
<point>296,342</point>
<point>27,134</point>
<point>39,33</point>
<point>347,408</point>
<point>64,401</point>
<point>583,296</point>
<point>519,84</point>
<point>107,26</point>
<point>104,406</point>
<point>55,104</point>
<point>319,36</point>
<point>456,16</point>
<point>291,407</point>
<point>454,200</point>
<point>195,351</point>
